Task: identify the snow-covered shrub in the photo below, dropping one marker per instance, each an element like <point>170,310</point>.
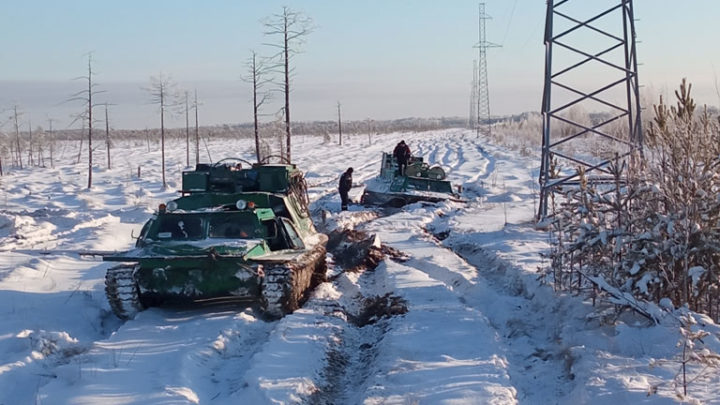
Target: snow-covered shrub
<point>696,362</point>
<point>520,133</point>
<point>655,232</point>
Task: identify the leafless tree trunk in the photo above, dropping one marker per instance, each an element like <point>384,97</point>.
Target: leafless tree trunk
<point>30,161</point>
<point>187,130</point>
<point>370,124</point>
<point>86,96</point>
<point>40,159</point>
<point>18,149</point>
<point>257,72</point>
<point>107,136</point>
<point>339,124</point>
<point>292,27</point>
<point>197,132</point>
<point>162,138</point>
<point>255,112</point>
<point>161,91</point>
<point>90,120</point>
<point>52,143</point>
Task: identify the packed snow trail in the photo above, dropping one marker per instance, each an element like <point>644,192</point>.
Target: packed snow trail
<point>480,328</point>
<point>165,355</point>
<point>443,350</point>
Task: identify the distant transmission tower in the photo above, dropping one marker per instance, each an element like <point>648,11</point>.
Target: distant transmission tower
<point>482,124</point>
<point>590,67</point>
<point>472,118</point>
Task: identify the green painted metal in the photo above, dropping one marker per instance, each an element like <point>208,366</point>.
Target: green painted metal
<point>425,184</point>
<point>224,177</point>
<point>205,244</point>
<point>420,177</point>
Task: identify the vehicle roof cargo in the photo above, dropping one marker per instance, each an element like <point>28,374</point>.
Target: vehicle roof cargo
<point>234,178</point>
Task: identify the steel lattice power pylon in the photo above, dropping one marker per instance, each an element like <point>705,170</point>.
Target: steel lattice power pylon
<point>482,94</point>
<point>590,106</point>
<point>472,118</point>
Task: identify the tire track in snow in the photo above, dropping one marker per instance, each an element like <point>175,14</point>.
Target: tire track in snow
<point>422,365</point>
<point>350,358</point>
<point>450,157</point>
<point>524,318</point>
<point>528,321</point>
<point>532,328</point>
<point>473,165</point>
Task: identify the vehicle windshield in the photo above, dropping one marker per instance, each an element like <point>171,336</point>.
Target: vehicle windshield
<point>235,225</point>
<point>180,227</point>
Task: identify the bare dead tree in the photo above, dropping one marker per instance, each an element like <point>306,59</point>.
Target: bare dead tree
<point>257,75</point>
<point>187,130</point>
<point>90,119</point>
<point>40,159</point>
<point>292,27</point>
<point>339,123</point>
<point>30,161</point>
<point>162,92</point>
<point>18,149</point>
<point>108,144</point>
<point>197,132</point>
<point>52,142</point>
<point>86,96</point>
<point>3,148</point>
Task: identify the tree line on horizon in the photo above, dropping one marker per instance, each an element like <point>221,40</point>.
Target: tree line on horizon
<point>286,30</point>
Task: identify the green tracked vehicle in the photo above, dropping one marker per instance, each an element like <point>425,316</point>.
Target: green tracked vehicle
<point>421,182</point>
<point>237,231</point>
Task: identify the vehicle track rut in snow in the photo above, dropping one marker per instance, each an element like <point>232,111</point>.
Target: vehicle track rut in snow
<point>329,351</point>
<point>529,322</point>
<point>198,353</point>
<point>349,360</point>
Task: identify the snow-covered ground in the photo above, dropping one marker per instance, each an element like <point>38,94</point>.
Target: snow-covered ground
<point>480,327</point>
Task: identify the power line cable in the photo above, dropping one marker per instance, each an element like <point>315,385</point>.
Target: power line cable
<point>507,28</point>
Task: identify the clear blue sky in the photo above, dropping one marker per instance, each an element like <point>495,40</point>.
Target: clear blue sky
<point>380,58</point>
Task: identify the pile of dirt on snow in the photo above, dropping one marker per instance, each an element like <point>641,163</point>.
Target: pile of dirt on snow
<point>378,307</point>
<point>354,250</point>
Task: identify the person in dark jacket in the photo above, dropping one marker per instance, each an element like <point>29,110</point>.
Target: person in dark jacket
<point>344,188</point>
<point>402,156</point>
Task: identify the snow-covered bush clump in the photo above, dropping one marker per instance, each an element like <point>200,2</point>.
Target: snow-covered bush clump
<point>655,232</point>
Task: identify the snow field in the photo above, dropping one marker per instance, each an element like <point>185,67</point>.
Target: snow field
<point>480,328</point>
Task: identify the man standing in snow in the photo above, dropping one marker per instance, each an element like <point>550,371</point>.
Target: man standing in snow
<point>402,155</point>
<point>344,188</point>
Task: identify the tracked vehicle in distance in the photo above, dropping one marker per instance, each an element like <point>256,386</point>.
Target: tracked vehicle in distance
<point>237,231</point>
<point>421,182</point>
